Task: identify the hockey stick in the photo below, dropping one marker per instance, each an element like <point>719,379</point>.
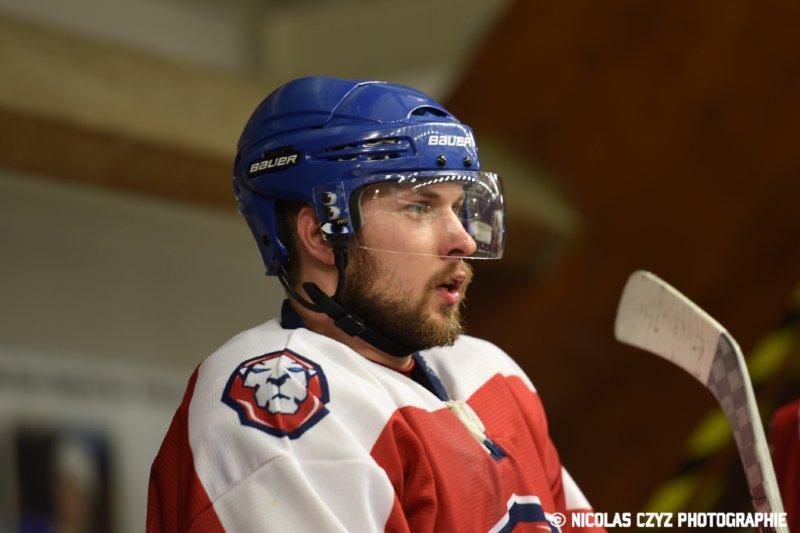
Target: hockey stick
<point>655,317</point>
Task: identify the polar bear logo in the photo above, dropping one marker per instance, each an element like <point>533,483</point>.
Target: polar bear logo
<point>280,383</point>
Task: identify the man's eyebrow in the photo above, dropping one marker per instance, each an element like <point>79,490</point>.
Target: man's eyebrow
<point>433,195</point>
<point>426,193</point>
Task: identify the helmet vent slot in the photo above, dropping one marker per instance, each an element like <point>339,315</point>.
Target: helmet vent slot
<point>371,150</point>
<point>428,110</point>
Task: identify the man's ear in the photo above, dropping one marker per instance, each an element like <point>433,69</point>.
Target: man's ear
<point>309,237</point>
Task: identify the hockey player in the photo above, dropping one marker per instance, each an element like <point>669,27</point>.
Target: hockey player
<point>363,407</point>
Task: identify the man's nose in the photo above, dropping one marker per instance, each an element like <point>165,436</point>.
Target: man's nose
<point>457,242</point>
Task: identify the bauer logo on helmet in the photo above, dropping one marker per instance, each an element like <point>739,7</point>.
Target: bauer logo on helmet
<point>451,140</point>
<point>273,161</point>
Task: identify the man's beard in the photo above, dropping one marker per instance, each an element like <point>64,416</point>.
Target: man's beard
<point>399,316</point>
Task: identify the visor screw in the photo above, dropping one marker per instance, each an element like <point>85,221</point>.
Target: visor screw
<point>467,161</point>
<point>441,160</point>
<point>328,198</point>
<point>332,212</point>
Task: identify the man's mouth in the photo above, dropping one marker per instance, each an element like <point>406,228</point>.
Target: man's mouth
<point>453,283</point>
<point>450,289</point>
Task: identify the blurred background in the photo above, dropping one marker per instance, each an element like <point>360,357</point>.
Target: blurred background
<point>658,135</point>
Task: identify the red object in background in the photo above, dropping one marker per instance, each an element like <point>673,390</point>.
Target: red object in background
<point>785,440</point>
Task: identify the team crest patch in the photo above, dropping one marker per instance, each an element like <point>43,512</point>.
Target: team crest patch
<point>281,393</point>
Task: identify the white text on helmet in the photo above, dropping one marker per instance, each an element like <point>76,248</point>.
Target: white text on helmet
<point>449,140</point>
<point>274,162</point>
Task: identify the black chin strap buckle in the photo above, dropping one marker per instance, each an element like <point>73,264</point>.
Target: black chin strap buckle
<point>351,325</point>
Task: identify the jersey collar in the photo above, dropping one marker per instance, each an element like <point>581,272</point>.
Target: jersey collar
<point>289,317</point>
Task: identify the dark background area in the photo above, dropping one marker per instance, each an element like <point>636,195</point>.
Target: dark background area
<point>672,127</point>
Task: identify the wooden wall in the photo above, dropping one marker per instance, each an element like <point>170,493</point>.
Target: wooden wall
<point>673,129</point>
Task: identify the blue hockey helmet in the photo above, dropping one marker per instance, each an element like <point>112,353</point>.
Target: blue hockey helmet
<point>335,144</point>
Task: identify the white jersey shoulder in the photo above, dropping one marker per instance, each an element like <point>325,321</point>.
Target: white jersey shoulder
<point>271,393</point>
<point>272,419</point>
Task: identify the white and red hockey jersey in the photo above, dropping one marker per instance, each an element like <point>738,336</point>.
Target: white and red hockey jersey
<point>283,429</point>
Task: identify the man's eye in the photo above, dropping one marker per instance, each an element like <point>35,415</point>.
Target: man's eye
<point>418,208</point>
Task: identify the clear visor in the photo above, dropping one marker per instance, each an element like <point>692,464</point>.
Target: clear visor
<point>443,214</point>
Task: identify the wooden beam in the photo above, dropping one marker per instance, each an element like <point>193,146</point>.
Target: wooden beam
<point>124,92</point>
<point>58,149</point>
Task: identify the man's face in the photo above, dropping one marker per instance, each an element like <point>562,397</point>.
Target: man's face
<point>410,281</point>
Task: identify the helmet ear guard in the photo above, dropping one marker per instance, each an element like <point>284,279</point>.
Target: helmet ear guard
<point>269,233</point>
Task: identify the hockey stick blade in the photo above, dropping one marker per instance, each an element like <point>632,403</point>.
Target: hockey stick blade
<point>655,317</point>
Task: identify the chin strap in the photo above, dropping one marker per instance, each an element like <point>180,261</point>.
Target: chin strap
<point>344,319</point>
